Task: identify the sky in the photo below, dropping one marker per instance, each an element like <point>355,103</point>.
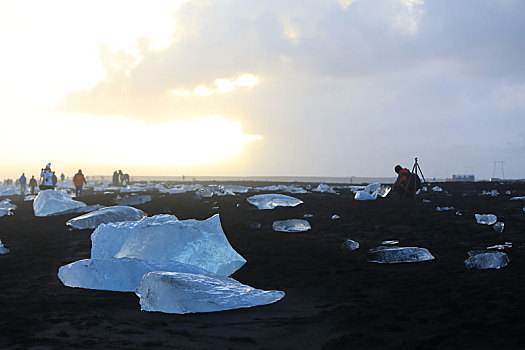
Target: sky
<point>262,88</point>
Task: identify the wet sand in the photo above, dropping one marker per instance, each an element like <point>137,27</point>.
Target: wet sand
<point>334,299</point>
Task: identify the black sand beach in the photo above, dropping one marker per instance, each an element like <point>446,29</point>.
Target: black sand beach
<point>334,299</point>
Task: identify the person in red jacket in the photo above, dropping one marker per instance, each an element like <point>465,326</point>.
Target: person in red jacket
<point>407,183</point>
<point>79,180</point>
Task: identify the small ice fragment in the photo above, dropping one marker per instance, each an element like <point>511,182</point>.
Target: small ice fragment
<point>424,189</point>
<point>182,293</point>
<point>508,192</point>
<point>491,260</point>
<point>494,193</point>
<point>500,246</point>
<point>335,217</point>
<point>391,242</point>
<point>486,219</point>
<point>308,215</point>
<point>394,255</point>
<point>350,245</point>
<point>426,201</point>
<point>458,213</point>
<point>272,200</point>
<point>384,191</point>
<point>292,225</point>
<point>499,226</point>
<point>444,208</point>
<point>3,250</point>
<point>522,198</point>
<point>437,189</point>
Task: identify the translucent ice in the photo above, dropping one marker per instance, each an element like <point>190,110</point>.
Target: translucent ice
<point>518,198</point>
<point>272,200</point>
<point>4,212</point>
<point>392,255</point>
<point>292,225</point>
<point>181,293</point>
<point>50,202</point>
<point>499,226</point>
<point>324,188</point>
<point>444,208</point>
<point>490,260</point>
<point>123,275</point>
<point>437,189</point>
<point>3,250</point>
<point>164,238</point>
<point>335,217</point>
<point>486,219</point>
<point>384,191</point>
<point>106,215</point>
<point>390,242</point>
<point>350,245</point>
<point>6,204</point>
<point>494,193</point>
<point>365,196</point>
<point>133,200</point>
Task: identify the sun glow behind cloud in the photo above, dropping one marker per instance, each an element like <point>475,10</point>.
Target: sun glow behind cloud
<point>221,86</point>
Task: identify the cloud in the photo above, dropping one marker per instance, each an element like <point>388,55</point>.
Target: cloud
<point>345,80</point>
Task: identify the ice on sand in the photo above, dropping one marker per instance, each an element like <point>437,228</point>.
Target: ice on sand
<point>272,200</point>
<point>292,225</point>
<point>181,293</point>
<point>164,238</point>
<point>518,198</point>
<point>365,196</point>
<point>133,200</point>
<point>122,275</point>
<point>324,188</point>
<point>489,260</point>
<point>106,215</point>
<point>3,250</point>
<point>393,255</point>
<point>499,226</point>
<point>350,245</point>
<point>50,202</point>
<point>486,219</point>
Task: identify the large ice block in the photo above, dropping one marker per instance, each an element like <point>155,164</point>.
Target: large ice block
<point>123,275</point>
<point>164,238</point>
<point>272,200</point>
<point>394,254</point>
<point>106,215</point>
<point>291,225</point>
<point>181,293</point>
<point>489,260</point>
<point>50,202</point>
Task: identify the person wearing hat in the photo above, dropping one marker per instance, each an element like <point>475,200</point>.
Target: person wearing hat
<point>46,176</point>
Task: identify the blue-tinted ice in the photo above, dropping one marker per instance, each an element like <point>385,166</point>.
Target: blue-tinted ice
<point>489,260</point>
<point>393,255</point>
<point>291,225</point>
<point>106,215</point>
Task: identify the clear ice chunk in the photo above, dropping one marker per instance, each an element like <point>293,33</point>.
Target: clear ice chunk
<point>437,189</point>
<point>272,200</point>
<point>324,188</point>
<point>365,196</point>
<point>444,208</point>
<point>394,255</point>
<point>122,275</point>
<point>335,217</point>
<point>350,245</point>
<point>201,243</point>
<point>490,260</point>
<point>499,226</point>
<point>106,215</point>
<point>133,200</point>
<point>3,250</point>
<point>522,198</point>
<point>50,202</point>
<point>486,219</point>
<point>390,242</point>
<point>182,293</point>
<point>292,225</point>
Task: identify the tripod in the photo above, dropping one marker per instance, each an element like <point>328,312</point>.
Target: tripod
<point>412,179</point>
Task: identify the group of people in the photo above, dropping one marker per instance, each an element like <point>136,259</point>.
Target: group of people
<point>119,178</point>
<point>48,181</point>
